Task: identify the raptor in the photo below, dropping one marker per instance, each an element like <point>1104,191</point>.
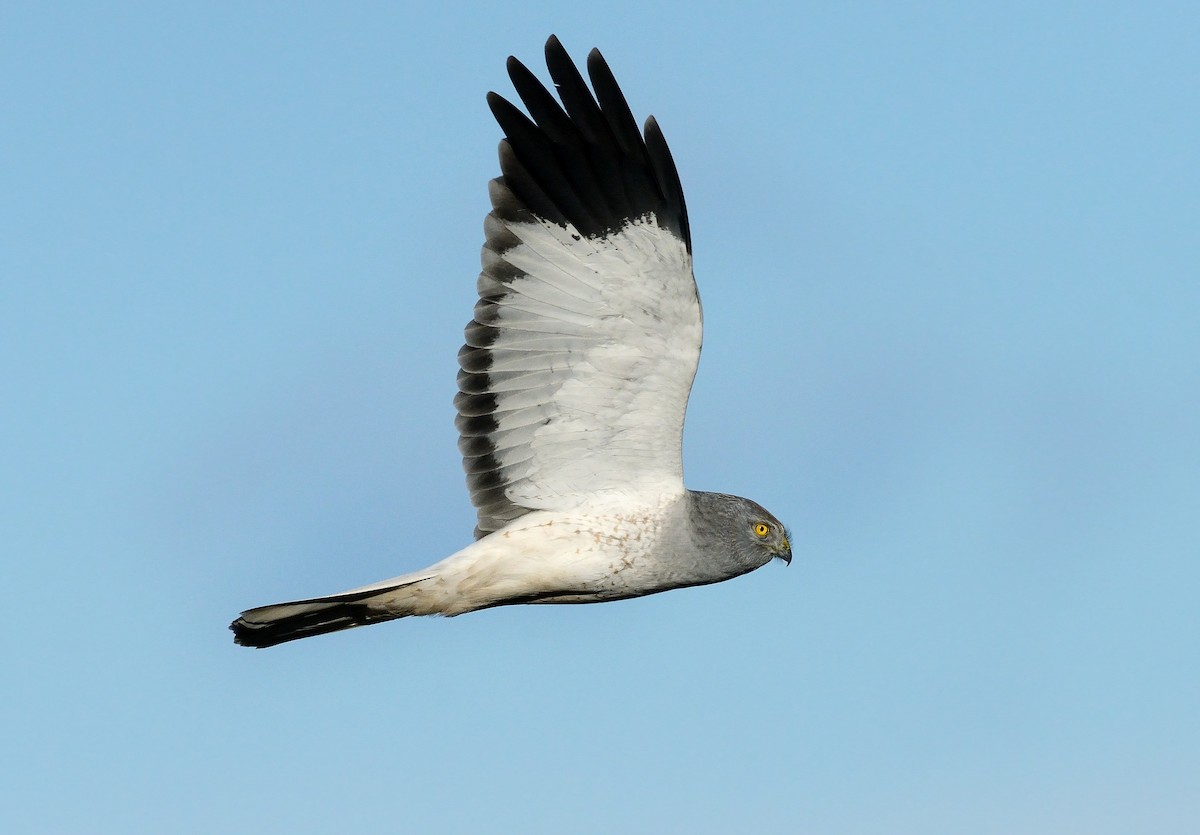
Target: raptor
<point>573,385</point>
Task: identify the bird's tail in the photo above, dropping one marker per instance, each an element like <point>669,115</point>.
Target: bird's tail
<point>267,626</point>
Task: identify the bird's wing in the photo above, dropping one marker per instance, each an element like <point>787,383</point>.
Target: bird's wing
<point>578,363</point>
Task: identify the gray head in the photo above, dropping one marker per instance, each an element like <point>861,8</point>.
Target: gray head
<point>750,534</point>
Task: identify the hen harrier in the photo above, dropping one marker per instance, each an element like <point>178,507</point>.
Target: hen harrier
<point>575,377</point>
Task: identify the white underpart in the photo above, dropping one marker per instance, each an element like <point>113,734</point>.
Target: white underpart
<point>544,556</point>
<point>573,556</point>
<point>605,333</point>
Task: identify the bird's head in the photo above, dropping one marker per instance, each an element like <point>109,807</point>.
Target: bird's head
<point>750,532</point>
<point>767,533</point>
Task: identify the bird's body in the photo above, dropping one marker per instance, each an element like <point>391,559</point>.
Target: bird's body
<point>574,381</point>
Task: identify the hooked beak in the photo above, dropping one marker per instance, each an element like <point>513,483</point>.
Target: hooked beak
<point>785,553</point>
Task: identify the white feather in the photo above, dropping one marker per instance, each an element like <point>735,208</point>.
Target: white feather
<point>601,337</point>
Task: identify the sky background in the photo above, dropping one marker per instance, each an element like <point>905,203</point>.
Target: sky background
<point>950,262</point>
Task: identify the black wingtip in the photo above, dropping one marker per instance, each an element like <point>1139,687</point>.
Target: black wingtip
<point>585,161</point>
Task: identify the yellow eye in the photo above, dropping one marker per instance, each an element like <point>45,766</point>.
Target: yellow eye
<point>761,530</point>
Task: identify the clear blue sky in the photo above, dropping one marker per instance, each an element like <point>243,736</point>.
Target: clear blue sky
<point>950,262</point>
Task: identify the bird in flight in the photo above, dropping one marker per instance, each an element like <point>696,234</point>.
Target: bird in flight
<point>574,380</point>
